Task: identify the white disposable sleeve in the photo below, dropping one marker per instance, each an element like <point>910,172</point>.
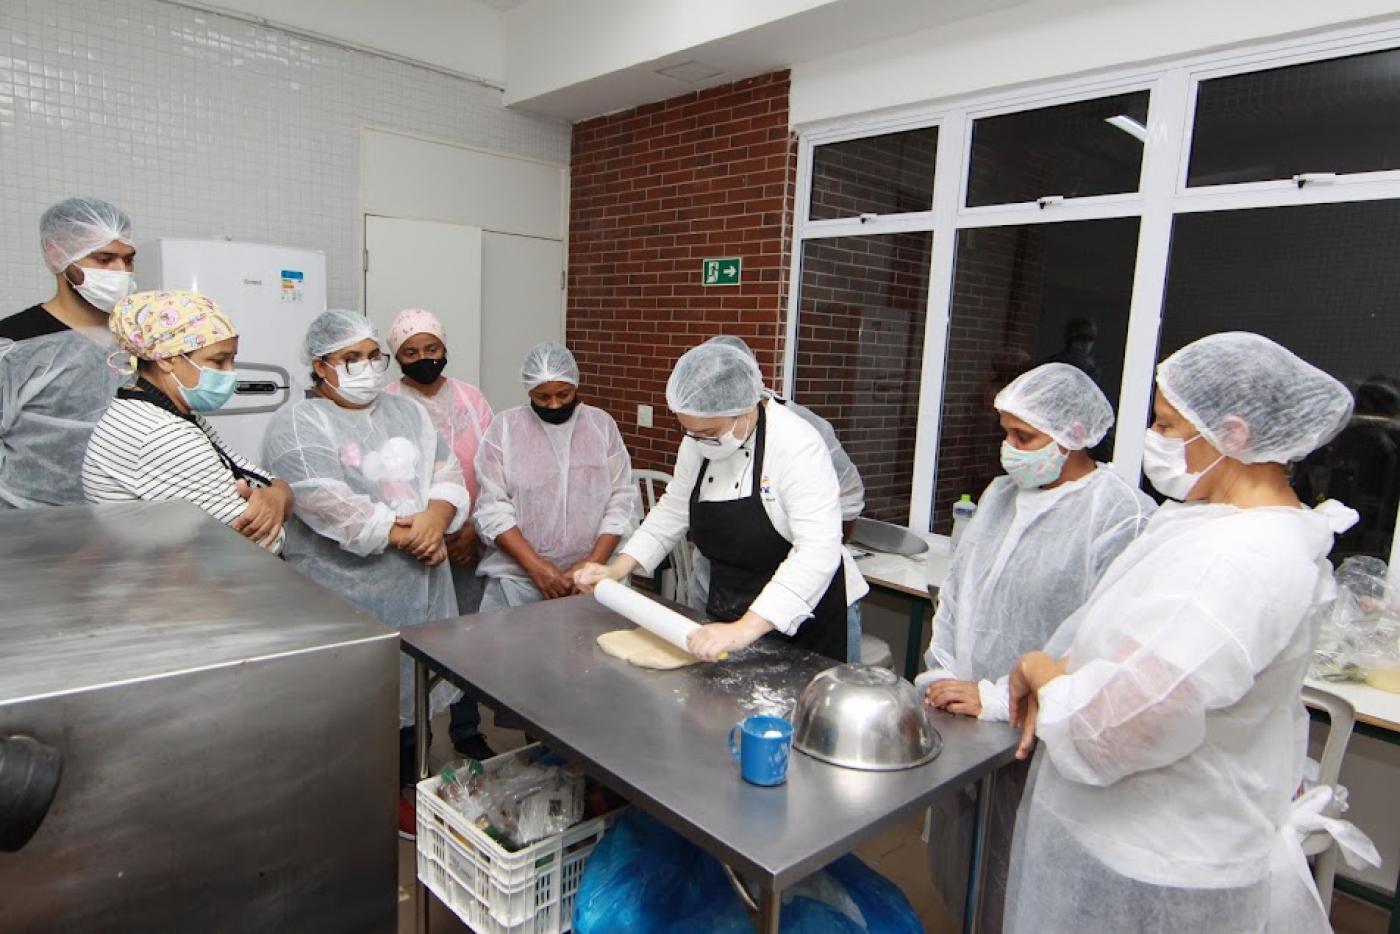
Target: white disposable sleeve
<point>996,698</point>
<point>624,505</point>
<point>495,513</point>
<point>449,485</point>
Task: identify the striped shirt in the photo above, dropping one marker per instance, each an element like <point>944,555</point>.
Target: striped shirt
<point>143,451</point>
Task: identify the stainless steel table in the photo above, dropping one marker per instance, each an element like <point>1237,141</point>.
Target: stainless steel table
<point>660,740</point>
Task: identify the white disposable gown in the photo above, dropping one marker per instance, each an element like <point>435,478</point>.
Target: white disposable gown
<point>1170,753</point>
<point>53,390</point>
<point>354,472</point>
<point>1026,562</point>
<point>561,485</point>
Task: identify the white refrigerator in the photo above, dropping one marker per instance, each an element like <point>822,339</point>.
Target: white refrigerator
<point>271,293</point>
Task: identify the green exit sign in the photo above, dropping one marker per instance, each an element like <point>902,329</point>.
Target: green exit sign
<point>721,271</point>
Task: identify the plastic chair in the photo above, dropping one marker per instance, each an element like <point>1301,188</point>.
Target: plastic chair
<point>1342,717</point>
<point>673,582</point>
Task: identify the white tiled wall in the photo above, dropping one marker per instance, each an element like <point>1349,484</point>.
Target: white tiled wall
<point>203,126</point>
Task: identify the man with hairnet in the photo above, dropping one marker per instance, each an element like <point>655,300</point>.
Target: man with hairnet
<point>1172,733</point>
<point>1040,540</point>
<point>54,381</point>
<point>378,491</point>
<point>88,247</point>
<point>852,503</point>
<point>755,488</point>
<point>556,486</point>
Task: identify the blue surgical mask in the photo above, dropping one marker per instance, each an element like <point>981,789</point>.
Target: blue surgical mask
<point>211,392</point>
<point>1032,469</point>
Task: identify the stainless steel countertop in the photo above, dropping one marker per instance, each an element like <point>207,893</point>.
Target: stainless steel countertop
<point>660,738</point>
<point>92,595</point>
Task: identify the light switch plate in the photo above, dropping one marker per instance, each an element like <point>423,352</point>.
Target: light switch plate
<point>643,416</point>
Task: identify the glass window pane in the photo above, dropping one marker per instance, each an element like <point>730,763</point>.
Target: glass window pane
<point>1074,150</point>
<point>860,349</point>
<point>1321,280</point>
<point>1023,296</point>
<point>1340,115</point>
<point>889,174</point>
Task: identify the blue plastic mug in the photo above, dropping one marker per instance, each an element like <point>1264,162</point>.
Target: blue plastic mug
<point>761,744</point>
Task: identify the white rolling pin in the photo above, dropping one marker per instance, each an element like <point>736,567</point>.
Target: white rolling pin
<point>647,613</point>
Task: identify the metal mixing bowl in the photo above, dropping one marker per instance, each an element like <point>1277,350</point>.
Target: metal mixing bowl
<point>863,717</point>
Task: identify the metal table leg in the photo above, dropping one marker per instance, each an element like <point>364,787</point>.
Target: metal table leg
<point>770,906</point>
<point>913,640</point>
<point>972,912</point>
<point>420,754</point>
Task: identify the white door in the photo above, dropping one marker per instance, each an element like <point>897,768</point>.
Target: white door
<point>522,304</point>
<point>425,264</point>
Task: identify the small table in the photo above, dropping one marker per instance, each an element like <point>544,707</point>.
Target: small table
<point>909,577</point>
<point>660,739</point>
<point>1377,716</point>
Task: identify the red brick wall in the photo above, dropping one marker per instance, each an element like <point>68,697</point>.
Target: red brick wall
<point>656,190</point>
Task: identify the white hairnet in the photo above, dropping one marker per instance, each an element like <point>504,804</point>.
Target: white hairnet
<point>713,380</point>
<point>335,330</point>
<point>76,227</point>
<point>1252,399</point>
<point>549,362</point>
<point>1061,401</point>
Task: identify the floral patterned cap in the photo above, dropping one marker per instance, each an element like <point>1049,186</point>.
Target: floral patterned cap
<point>161,325</point>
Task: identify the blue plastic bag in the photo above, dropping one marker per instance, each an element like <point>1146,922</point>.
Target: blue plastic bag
<point>646,879</point>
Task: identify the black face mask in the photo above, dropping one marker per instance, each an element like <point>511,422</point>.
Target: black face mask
<point>556,416</point>
<point>425,370</point>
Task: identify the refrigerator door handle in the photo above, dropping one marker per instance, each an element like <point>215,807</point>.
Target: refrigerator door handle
<point>29,775</point>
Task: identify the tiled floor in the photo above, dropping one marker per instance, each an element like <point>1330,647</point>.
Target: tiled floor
<point>897,854</point>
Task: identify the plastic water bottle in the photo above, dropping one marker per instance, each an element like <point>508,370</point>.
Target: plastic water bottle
<point>963,511</point>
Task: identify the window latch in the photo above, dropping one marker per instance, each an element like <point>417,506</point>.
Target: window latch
<point>1046,200</point>
<point>1314,178</point>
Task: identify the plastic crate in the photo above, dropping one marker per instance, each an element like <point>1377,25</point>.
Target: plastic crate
<point>493,890</point>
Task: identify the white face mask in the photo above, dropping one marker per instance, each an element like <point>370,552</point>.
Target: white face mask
<point>725,446</point>
<point>103,288</point>
<point>360,389</point>
<point>1164,462</point>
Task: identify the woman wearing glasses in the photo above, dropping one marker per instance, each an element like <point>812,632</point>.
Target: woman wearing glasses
<point>377,492</point>
<point>755,488</point>
<point>556,486</point>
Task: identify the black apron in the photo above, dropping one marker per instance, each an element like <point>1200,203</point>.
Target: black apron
<point>744,551</point>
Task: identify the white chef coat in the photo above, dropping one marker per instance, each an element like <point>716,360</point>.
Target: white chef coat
<point>799,493</point>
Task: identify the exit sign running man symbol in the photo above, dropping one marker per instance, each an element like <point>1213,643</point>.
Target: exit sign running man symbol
<point>721,271</point>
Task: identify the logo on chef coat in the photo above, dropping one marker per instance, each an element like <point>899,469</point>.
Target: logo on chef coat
<point>765,487</point>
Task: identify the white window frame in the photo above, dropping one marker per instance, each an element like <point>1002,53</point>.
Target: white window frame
<point>1162,194</point>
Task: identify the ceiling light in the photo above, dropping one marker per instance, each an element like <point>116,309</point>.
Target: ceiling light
<point>1128,125</point>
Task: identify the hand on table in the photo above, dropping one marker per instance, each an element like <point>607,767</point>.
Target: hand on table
<point>960,697</point>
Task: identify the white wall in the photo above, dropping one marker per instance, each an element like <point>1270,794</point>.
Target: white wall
<point>202,126</point>
<point>551,44</point>
<point>463,35</point>
<point>1045,39</point>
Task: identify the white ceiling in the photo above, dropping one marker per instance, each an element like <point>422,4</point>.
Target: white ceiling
<point>504,5</point>
<point>604,82</point>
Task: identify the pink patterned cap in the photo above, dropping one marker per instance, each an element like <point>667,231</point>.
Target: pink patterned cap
<point>413,321</point>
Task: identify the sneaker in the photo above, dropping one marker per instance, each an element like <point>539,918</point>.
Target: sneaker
<point>408,819</point>
<point>475,748</point>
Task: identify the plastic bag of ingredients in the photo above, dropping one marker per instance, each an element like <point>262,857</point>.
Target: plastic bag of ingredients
<point>516,799</point>
<point>644,878</point>
<point>1359,639</point>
